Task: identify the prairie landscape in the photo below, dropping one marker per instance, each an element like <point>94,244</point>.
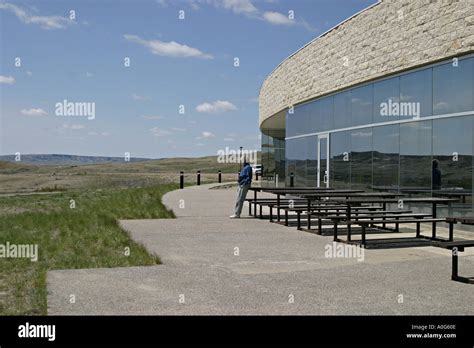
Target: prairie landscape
<point>70,211</point>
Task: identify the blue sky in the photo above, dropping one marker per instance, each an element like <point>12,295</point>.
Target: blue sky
<point>173,62</point>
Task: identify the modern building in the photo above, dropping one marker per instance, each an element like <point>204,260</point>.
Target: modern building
<point>377,102</point>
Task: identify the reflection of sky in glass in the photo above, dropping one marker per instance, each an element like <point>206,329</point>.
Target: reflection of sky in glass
<point>417,88</point>
<point>453,87</point>
<point>453,135</point>
<point>383,91</point>
<point>340,142</point>
<point>362,140</point>
<point>415,138</point>
<point>342,110</point>
<point>386,139</point>
<point>362,105</point>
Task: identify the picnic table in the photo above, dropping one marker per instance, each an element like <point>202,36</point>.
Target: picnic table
<point>457,246</point>
<point>278,191</point>
<point>434,201</point>
<point>346,194</point>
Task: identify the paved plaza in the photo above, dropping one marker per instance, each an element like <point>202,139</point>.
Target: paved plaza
<point>216,265</point>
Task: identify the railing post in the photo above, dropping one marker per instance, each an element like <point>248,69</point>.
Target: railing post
<point>181,180</point>
<point>292,179</point>
<point>199,177</point>
<point>219,176</point>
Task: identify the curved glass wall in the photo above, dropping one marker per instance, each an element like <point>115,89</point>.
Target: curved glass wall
<point>412,132</point>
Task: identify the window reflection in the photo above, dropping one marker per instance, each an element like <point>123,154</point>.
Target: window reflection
<point>311,161</point>
<point>386,157</point>
<point>452,148</point>
<point>386,101</point>
<point>361,159</point>
<point>453,87</point>
<point>342,110</point>
<point>416,87</point>
<point>415,156</point>
<point>361,104</point>
<point>340,169</point>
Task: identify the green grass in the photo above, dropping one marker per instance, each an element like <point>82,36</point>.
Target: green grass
<point>87,236</point>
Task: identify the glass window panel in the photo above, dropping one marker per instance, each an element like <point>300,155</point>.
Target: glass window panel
<point>387,100</point>
<point>325,115</point>
<point>386,157</point>
<point>417,87</point>
<point>361,159</point>
<point>415,156</point>
<point>311,161</point>
<point>340,149</point>
<point>342,110</point>
<point>300,119</point>
<point>296,152</point>
<point>361,105</point>
<point>452,149</point>
<point>453,87</point>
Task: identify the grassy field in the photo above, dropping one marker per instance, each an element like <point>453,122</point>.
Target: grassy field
<point>35,208</point>
<point>86,236</point>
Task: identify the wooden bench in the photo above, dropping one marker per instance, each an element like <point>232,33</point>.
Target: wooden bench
<point>455,247</point>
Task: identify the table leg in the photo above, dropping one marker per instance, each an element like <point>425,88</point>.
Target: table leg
<point>309,215</point>
<point>454,275</point>
<point>255,203</point>
<point>434,223</point>
<point>384,207</point>
<point>335,230</point>
<point>278,210</point>
<point>363,235</point>
<point>349,227</point>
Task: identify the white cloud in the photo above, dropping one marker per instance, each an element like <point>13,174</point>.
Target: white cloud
<point>237,6</point>
<point>216,107</point>
<point>34,112</point>
<point>153,117</point>
<point>229,139</point>
<point>9,80</point>
<point>199,144</point>
<point>158,132</point>
<point>162,3</point>
<point>45,22</point>
<point>139,97</point>
<point>29,73</point>
<point>178,129</point>
<point>88,74</point>
<point>277,18</point>
<point>168,49</point>
<point>206,135</point>
<point>73,126</point>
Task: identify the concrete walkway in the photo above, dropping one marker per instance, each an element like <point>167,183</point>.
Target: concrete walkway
<point>216,265</point>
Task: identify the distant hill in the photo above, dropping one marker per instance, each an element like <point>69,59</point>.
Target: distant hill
<point>67,160</point>
<point>71,164</point>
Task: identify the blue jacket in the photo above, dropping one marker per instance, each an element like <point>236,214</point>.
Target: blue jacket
<point>245,175</point>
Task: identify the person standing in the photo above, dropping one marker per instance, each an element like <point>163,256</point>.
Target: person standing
<point>245,180</point>
<point>436,176</point>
